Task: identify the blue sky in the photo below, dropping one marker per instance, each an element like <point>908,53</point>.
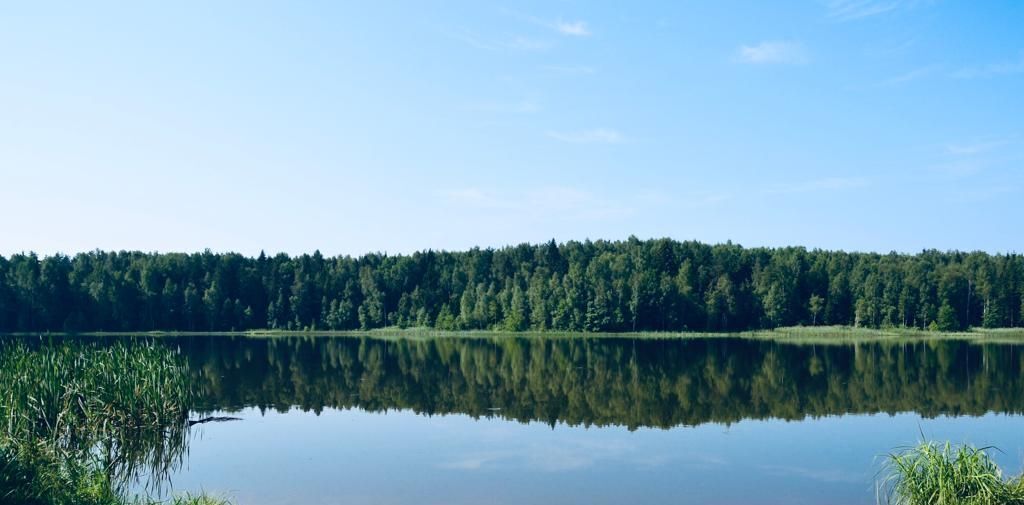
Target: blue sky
<point>398,126</point>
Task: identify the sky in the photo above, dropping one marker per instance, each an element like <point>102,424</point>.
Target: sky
<point>391,126</point>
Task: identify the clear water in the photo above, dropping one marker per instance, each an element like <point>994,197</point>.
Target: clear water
<point>588,421</point>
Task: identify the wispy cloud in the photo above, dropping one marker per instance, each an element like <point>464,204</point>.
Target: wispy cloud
<point>528,44</point>
<point>571,69</point>
<point>572,28</point>
<point>892,49</point>
<point>912,75</point>
<point>773,52</point>
<point>473,41</point>
<point>819,185</point>
<point>518,43</point>
<point>975,147</point>
<point>594,136</point>
<point>1008,67</point>
<point>983,194</point>
<point>520,107</point>
<point>967,159</point>
<point>958,169</point>
<point>852,10</point>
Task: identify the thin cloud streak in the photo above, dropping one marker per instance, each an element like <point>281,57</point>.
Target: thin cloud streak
<point>983,194</point>
<point>773,52</point>
<point>853,10</point>
<point>577,28</point>
<point>975,148</point>
<point>520,107</point>
<point>1009,67</point>
<point>571,69</point>
<point>912,75</point>
<point>960,169</point>
<point>574,28</point>
<point>518,43</point>
<point>969,159</point>
<point>595,136</point>
<point>528,44</point>
<point>820,185</point>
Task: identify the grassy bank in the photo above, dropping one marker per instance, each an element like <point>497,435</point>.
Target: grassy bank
<point>943,474</point>
<point>82,423</point>
<point>797,334</point>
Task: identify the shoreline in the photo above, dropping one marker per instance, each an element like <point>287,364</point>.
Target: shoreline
<point>795,334</point>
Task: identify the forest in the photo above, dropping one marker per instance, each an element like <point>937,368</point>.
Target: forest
<point>617,286</point>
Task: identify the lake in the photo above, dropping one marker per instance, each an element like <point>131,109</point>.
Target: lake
<point>535,420</point>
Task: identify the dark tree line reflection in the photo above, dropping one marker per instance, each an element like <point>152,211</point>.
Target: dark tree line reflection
<point>627,382</point>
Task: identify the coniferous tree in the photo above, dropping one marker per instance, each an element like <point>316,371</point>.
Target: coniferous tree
<point>633,285</point>
<point>947,320</point>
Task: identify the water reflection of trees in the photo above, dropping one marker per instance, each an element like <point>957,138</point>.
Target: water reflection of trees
<point>607,381</point>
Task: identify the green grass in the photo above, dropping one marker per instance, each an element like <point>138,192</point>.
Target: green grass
<point>942,474</point>
<point>184,499</point>
<point>131,402</point>
<point>82,421</point>
<point>34,474</point>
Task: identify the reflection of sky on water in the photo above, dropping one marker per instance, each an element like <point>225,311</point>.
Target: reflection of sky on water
<point>404,458</point>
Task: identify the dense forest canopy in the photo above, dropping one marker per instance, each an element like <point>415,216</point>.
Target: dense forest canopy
<point>629,285</point>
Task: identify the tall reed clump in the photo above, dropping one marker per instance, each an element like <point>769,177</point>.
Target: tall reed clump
<point>81,421</point>
<point>943,474</point>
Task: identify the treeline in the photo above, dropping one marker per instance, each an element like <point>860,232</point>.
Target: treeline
<point>631,285</point>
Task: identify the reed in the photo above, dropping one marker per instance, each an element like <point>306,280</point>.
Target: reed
<point>943,474</point>
<point>82,421</point>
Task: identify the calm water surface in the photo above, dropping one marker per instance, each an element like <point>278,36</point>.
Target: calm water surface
<point>589,421</point>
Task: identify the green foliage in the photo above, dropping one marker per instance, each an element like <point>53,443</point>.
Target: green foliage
<point>947,320</point>
<point>517,318</point>
<point>815,306</point>
<point>191,499</point>
<point>631,285</point>
<point>941,474</point>
<point>81,421</point>
<point>35,474</point>
<point>992,317</point>
<point>446,320</point>
<point>75,397</point>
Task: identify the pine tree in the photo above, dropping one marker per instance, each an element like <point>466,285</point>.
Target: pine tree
<point>947,320</point>
<point>445,319</point>
<point>992,317</point>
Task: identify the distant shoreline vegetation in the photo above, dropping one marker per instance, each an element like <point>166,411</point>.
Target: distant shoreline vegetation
<point>839,335</point>
<point>634,286</point>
